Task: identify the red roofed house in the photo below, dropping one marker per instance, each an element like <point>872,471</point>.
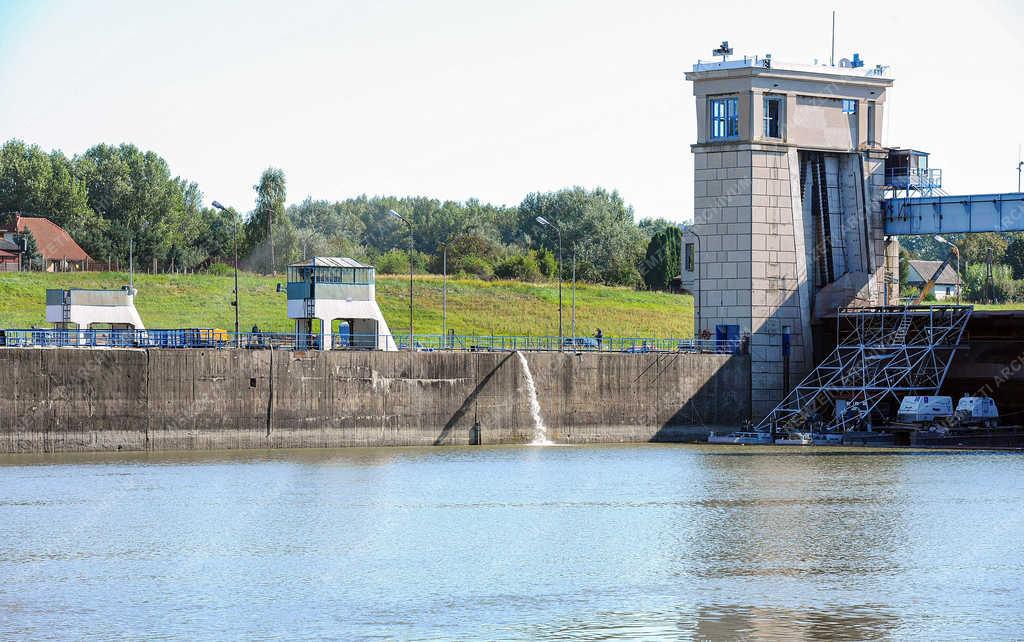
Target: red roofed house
<point>59,251</point>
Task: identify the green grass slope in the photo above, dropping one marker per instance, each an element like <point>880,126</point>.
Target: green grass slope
<point>474,307</point>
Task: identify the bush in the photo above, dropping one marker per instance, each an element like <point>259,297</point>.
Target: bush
<point>220,269</point>
<point>1004,288</point>
<point>397,262</point>
<point>519,267</point>
<point>546,262</point>
<point>475,266</point>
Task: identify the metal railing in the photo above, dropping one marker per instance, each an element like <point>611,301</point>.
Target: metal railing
<point>158,338</point>
<point>208,338</point>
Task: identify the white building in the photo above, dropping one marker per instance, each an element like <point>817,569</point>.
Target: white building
<point>93,309</point>
<point>335,298</point>
<point>946,285</point>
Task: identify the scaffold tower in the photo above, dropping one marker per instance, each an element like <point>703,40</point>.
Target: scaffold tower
<point>882,353</point>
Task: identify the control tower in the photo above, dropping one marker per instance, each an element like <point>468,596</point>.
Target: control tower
<point>789,171</point>
<point>334,299</point>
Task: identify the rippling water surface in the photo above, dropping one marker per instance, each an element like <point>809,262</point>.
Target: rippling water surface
<point>559,542</point>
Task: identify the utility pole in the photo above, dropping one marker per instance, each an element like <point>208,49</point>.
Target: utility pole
<point>574,295</point>
<point>234,235</point>
<point>558,230</point>
<point>408,222</point>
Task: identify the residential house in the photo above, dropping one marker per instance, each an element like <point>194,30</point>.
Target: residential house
<point>946,286</point>
<point>59,252</point>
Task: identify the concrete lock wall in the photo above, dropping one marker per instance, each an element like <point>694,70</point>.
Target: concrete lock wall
<point>105,399</point>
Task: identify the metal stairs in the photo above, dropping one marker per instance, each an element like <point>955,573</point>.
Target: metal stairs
<point>900,335</point>
<point>882,354</point>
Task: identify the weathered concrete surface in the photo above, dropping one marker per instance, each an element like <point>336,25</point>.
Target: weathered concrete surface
<point>74,399</point>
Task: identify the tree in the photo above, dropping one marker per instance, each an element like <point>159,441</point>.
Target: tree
<point>268,217</point>
<point>979,247</point>
<point>598,222</point>
<point>661,265</point>
<point>141,202</point>
<point>1015,255</point>
<point>30,258</point>
<point>41,184</point>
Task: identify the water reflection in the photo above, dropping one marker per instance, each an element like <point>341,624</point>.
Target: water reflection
<point>550,543</point>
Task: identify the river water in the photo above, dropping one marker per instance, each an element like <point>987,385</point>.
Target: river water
<point>538,543</point>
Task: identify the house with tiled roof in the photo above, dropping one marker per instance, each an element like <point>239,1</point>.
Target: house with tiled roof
<point>59,252</point>
<point>946,285</point>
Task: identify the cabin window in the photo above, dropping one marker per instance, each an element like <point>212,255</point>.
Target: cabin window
<point>773,116</point>
<point>725,118</point>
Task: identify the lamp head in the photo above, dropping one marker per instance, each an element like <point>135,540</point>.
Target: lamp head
<point>543,221</point>
<point>940,239</point>
<point>219,206</point>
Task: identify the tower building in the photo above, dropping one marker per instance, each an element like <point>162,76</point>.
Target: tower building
<point>789,170</point>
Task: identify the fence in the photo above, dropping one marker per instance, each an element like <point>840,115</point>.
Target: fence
<point>219,339</point>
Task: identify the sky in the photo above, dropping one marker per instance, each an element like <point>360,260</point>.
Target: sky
<point>487,99</point>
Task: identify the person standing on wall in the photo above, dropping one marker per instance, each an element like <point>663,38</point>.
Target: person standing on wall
<point>600,337</point>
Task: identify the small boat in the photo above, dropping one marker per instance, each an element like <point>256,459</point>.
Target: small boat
<point>796,439</point>
<point>742,438</point>
<point>827,439</point>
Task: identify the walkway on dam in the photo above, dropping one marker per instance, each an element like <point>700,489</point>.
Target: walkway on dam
<point>209,338</point>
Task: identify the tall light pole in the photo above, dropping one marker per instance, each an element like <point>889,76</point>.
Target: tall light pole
<point>444,293</point>
<point>573,295</point>
<point>409,223</point>
<point>558,230</point>
<point>234,236</point>
<point>956,252</point>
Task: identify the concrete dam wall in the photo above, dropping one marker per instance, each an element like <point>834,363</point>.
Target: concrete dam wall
<point>77,399</point>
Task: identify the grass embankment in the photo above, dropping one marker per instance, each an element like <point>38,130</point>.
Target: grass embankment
<point>474,307</point>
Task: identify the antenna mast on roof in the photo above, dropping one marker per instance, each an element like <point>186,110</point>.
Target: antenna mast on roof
<point>832,58</point>
<point>1020,166</point>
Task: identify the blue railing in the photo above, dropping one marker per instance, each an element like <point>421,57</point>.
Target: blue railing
<point>208,338</point>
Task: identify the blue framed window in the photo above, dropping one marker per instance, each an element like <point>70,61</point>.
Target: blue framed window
<point>849,106</point>
<point>773,116</point>
<point>725,118</point>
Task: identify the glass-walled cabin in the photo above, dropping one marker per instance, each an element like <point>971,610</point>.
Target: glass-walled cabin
<point>333,302</point>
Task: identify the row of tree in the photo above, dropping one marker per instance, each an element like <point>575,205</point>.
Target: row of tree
<point>111,197</point>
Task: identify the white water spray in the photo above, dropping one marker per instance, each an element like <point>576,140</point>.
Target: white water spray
<point>540,431</point>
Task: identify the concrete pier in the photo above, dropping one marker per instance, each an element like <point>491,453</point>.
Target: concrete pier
<point>80,399</point>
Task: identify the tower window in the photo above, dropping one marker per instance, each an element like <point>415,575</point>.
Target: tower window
<point>773,116</point>
<point>725,118</point>
<point>849,106</point>
<point>689,258</point>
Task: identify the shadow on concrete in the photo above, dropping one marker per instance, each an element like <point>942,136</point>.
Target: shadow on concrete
<point>468,403</point>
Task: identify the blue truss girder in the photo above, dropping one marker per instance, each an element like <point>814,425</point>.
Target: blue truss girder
<point>954,214</point>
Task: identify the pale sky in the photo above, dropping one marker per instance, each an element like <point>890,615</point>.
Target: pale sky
<point>472,98</point>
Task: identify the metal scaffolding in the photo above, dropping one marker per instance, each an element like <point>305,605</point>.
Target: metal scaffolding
<point>881,354</point>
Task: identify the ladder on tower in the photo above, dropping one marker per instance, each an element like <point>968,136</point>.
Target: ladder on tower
<point>882,354</point>
<point>65,308</point>
<point>900,335</point>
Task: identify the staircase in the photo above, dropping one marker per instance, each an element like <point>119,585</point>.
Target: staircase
<point>900,335</point>
<point>882,355</point>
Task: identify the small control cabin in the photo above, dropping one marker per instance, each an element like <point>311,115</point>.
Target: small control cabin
<point>93,309</point>
<point>333,302</point>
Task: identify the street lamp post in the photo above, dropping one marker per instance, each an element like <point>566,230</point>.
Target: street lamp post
<point>574,295</point>
<point>444,294</point>
<point>956,251</point>
<point>558,230</point>
<point>234,236</point>
<point>411,249</point>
